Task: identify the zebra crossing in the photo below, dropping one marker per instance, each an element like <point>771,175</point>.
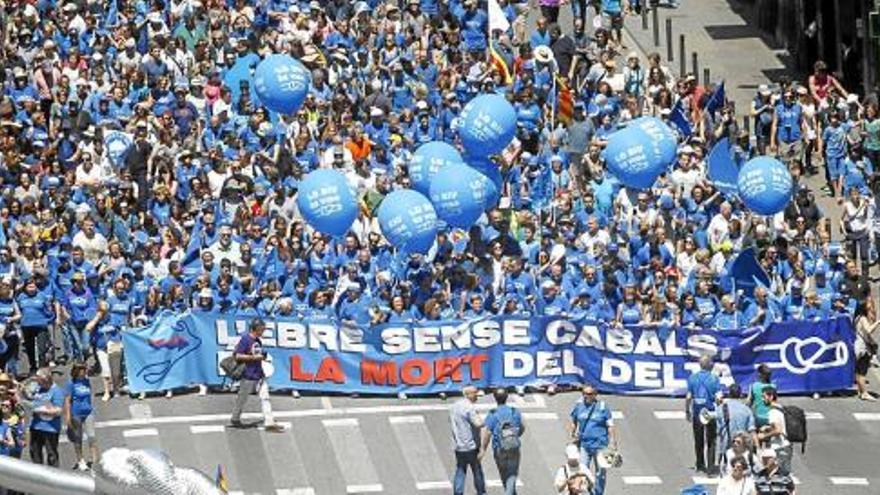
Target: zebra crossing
<point>349,446</point>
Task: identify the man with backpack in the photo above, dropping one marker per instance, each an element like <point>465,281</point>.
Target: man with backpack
<point>703,386</point>
<point>504,426</point>
<point>785,425</point>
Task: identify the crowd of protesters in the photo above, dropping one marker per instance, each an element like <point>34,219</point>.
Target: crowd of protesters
<point>199,211</point>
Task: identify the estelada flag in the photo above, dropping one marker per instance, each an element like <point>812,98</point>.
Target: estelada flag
<point>499,62</point>
<point>564,102</point>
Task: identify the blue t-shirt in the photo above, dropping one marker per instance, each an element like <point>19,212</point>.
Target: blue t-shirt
<point>592,421</point>
<point>498,417</point>
<point>50,424</point>
<point>80,392</point>
<point>702,386</point>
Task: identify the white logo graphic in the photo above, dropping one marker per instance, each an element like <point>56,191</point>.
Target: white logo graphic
<point>792,357</point>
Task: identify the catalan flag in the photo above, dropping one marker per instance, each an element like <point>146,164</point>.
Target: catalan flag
<point>564,102</point>
<point>498,24</point>
<point>500,63</point>
<point>222,482</point>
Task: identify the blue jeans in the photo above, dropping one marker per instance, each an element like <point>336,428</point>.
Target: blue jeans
<point>508,468</point>
<point>77,343</point>
<point>463,460</point>
<point>589,459</point>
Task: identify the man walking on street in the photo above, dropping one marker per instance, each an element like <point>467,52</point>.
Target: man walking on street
<point>466,426</point>
<point>702,389</point>
<point>504,426</point>
<point>250,351</point>
<point>592,427</point>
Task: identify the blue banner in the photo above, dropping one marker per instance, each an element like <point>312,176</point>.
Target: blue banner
<point>723,170</point>
<point>431,357</point>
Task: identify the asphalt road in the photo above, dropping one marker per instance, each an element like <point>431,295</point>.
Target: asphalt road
<point>344,445</point>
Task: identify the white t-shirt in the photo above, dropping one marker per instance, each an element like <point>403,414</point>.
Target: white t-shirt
<point>777,417</point>
<point>730,486</point>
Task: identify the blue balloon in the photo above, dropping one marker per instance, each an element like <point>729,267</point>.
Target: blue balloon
<point>487,124</point>
<point>408,220</point>
<point>427,160</point>
<point>460,194</point>
<point>327,202</point>
<point>489,170</point>
<point>765,185</point>
<point>282,83</point>
<point>640,152</point>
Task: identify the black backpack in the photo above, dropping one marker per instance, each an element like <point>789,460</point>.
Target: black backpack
<point>795,425</point>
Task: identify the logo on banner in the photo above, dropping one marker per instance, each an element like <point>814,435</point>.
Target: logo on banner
<point>800,356</point>
<point>178,338</point>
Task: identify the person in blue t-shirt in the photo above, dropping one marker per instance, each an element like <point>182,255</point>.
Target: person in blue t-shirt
<point>703,386</point>
<point>592,427</point>
<point>834,144</point>
<point>788,128</point>
<point>504,426</point>
<point>48,401</point>
<point>78,415</point>
<point>36,316</point>
<point>9,318</point>
<point>79,307</point>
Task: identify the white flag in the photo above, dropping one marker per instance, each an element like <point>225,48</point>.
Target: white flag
<point>497,19</point>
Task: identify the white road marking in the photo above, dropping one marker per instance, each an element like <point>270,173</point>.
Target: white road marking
<point>398,420</point>
<point>498,484</point>
<point>617,415</point>
<point>434,485</point>
<point>705,480</point>
<point>642,480</point>
<point>844,481</point>
<point>295,491</point>
<point>326,403</point>
<point>351,452</point>
<point>549,416</point>
<point>300,413</point>
<point>329,423</point>
<point>814,415</point>
<point>867,416</point>
<point>669,414</point>
<point>199,429</point>
<point>374,488</point>
<point>143,432</point>
<point>417,446</point>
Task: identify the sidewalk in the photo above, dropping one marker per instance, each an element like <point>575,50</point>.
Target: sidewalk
<point>732,49</point>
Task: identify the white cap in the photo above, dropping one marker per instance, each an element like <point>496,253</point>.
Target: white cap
<point>572,452</point>
<point>852,98</point>
<point>206,293</point>
<point>376,112</point>
<point>768,453</point>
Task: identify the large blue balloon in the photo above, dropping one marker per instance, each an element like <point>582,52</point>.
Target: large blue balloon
<point>640,152</point>
<point>282,83</point>
<point>765,185</point>
<point>408,220</point>
<point>327,202</point>
<point>427,160</point>
<point>460,194</point>
<point>487,124</point>
<point>489,170</point>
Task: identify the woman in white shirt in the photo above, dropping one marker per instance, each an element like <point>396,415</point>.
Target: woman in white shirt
<point>738,481</point>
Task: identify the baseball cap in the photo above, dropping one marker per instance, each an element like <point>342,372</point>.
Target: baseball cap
<point>572,453</point>
<point>768,454</point>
